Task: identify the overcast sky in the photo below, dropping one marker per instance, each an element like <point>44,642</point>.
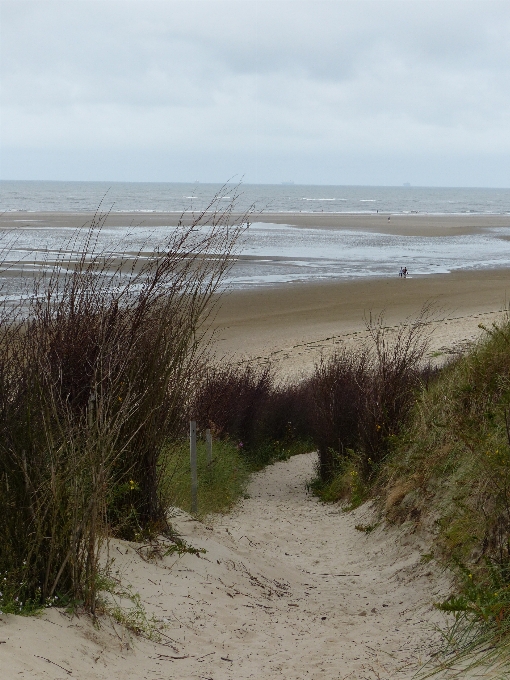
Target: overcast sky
<point>322,92</point>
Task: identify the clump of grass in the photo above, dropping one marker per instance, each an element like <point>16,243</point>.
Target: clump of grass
<point>125,607</point>
<point>95,368</point>
<point>346,485</point>
<point>366,528</point>
<point>396,374</point>
<point>478,639</point>
<point>220,483</point>
<point>12,603</point>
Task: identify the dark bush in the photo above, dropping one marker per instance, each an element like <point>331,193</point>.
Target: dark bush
<point>335,403</point>
<point>395,374</point>
<point>95,367</point>
<point>233,401</point>
<point>356,401</point>
<point>245,404</point>
<point>353,404</point>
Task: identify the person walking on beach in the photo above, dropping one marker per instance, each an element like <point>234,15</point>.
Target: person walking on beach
<point>401,272</point>
<point>404,272</point>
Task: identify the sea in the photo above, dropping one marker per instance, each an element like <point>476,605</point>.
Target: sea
<point>286,197</point>
<point>272,254</point>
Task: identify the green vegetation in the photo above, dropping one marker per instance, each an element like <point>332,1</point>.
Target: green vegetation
<point>220,483</point>
<point>346,485</point>
<point>450,470</point>
<point>358,402</point>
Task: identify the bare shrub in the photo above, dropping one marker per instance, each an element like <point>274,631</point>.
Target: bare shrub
<point>335,398</point>
<point>245,403</point>
<point>358,400</point>
<point>232,399</point>
<point>397,371</point>
<point>349,409</point>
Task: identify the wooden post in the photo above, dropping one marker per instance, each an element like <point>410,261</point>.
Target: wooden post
<point>193,461</point>
<point>208,444</point>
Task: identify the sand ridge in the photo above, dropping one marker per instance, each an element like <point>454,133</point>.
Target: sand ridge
<point>448,337</point>
<point>397,224</point>
<point>288,588</point>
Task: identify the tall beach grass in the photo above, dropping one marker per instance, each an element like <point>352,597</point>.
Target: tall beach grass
<point>96,364</point>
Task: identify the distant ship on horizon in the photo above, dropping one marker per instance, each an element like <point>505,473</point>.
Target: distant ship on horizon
<point>290,182</point>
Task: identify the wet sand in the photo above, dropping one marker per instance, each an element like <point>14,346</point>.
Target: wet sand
<point>401,225</point>
<point>292,324</point>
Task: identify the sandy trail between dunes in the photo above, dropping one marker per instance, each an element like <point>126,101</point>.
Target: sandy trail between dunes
<point>288,588</point>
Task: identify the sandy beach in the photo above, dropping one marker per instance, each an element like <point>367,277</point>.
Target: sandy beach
<point>291,325</point>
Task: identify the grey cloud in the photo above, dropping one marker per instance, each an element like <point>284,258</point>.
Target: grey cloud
<point>254,78</point>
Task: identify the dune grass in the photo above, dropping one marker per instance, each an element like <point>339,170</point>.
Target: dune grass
<point>449,470</point>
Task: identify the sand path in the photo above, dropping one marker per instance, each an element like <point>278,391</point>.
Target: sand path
<point>288,589</point>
